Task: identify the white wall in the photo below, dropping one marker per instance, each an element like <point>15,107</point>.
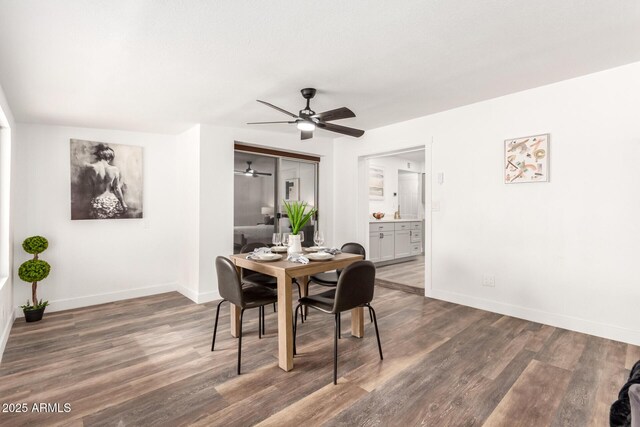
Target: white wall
<point>564,252</point>
<point>95,261</point>
<point>188,180</point>
<point>216,190</point>
<point>7,153</point>
<point>391,166</point>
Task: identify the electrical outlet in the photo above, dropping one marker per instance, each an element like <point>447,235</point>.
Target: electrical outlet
<point>489,281</point>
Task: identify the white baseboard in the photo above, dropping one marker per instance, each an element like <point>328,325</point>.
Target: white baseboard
<point>4,336</point>
<point>585,326</point>
<point>208,296</point>
<point>199,297</point>
<point>189,293</point>
<point>84,301</point>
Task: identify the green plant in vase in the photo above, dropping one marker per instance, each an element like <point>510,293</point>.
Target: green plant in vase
<point>33,271</point>
<point>298,215</point>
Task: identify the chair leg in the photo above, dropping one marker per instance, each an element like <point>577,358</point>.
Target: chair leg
<point>264,328</point>
<point>339,325</point>
<point>302,317</point>
<point>295,328</point>
<point>335,349</point>
<point>274,307</point>
<point>260,321</point>
<point>240,341</point>
<point>370,316</point>
<point>215,327</point>
<point>372,312</point>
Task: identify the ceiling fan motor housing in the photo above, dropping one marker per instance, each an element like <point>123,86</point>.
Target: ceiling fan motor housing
<point>308,93</point>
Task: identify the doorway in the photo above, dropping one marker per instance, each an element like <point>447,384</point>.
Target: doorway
<point>394,188</point>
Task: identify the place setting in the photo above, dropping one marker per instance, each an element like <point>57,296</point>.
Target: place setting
<point>320,252</point>
<point>264,255</point>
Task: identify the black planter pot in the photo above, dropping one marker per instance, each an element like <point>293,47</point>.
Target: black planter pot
<point>33,315</point>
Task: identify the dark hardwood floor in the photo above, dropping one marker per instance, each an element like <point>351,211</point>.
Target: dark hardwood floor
<point>146,362</point>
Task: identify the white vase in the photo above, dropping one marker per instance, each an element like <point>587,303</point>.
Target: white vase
<point>295,248</point>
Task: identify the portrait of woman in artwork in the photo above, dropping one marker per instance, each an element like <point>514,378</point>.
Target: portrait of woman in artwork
<point>106,180</point>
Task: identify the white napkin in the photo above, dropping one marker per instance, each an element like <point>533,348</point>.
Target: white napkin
<point>333,251</point>
<point>257,252</point>
<point>298,258</point>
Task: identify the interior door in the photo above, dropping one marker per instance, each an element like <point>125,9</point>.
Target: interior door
<point>254,209</point>
<point>297,182</point>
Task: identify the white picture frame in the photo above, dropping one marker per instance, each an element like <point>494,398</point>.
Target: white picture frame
<point>526,159</point>
<point>376,183</point>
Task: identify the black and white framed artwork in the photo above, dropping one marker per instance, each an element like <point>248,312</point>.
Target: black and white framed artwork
<point>106,180</point>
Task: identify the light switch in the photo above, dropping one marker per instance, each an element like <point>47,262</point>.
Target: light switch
<point>440,178</point>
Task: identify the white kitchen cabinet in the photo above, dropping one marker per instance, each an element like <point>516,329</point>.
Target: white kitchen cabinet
<point>402,243</point>
<point>389,240</point>
<point>374,247</point>
<point>381,246</point>
<point>387,246</point>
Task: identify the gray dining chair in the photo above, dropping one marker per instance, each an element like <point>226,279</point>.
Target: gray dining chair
<point>354,289</point>
<point>244,296</point>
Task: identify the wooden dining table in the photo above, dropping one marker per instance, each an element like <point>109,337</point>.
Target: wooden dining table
<point>285,271</point>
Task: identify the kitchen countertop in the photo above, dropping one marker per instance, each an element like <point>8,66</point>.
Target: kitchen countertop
<point>373,220</point>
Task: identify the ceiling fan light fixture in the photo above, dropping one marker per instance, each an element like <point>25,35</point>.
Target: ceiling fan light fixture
<point>306,126</point>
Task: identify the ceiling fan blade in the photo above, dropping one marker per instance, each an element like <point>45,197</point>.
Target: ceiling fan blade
<point>262,173</point>
<point>341,129</point>
<point>277,108</point>
<point>268,123</point>
<point>306,134</point>
<point>337,114</point>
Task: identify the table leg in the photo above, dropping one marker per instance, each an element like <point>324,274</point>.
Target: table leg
<point>234,312</point>
<point>357,322</point>
<point>285,325</point>
<point>234,323</point>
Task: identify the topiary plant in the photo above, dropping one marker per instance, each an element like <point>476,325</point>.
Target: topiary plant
<point>34,270</point>
<point>35,245</point>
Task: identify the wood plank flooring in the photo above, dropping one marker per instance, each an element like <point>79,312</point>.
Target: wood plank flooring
<point>146,361</point>
<point>409,274</point>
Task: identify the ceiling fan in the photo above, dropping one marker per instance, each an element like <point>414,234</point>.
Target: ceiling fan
<point>308,120</point>
<point>249,171</point>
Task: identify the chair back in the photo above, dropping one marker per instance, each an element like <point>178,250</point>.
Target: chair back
<point>352,248</point>
<point>229,285</point>
<point>355,286</point>
<point>249,247</point>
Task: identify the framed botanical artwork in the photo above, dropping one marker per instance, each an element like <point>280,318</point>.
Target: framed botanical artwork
<point>376,182</point>
<point>526,159</point>
<point>292,189</point>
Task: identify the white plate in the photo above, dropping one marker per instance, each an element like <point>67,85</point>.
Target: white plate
<point>316,248</point>
<point>319,256</point>
<point>278,249</point>
<point>269,257</point>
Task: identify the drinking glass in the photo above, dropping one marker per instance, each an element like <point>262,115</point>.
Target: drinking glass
<point>276,239</point>
<point>318,238</point>
<point>285,239</point>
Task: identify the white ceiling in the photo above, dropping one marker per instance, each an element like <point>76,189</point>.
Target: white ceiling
<point>163,66</point>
